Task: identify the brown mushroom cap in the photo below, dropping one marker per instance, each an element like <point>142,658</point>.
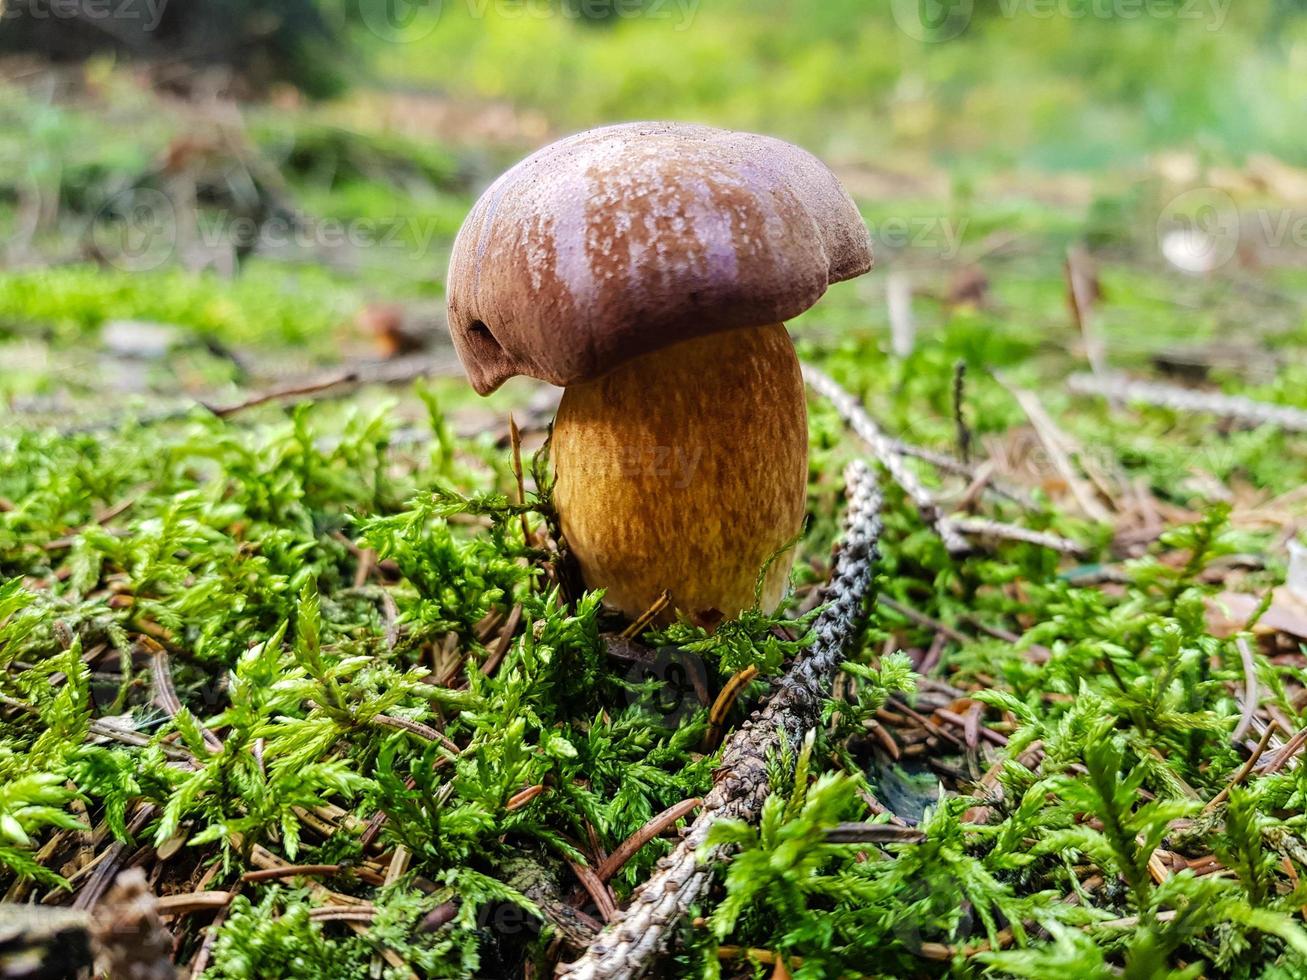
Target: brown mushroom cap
<point>625,239</point>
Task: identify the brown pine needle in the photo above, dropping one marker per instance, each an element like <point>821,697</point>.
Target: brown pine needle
<point>502,644</point>
<point>1243,772</point>
<point>194,902</point>
<point>521,799</point>
<point>293,871</point>
<point>597,890</point>
<point>656,825</point>
<point>417,728</point>
<point>648,616</point>
<point>721,707</point>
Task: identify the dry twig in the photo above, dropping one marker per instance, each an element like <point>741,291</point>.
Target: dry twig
<point>866,429</point>
<point>1242,410</point>
<point>890,453</point>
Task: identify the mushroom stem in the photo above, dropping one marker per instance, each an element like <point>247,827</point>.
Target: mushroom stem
<point>686,469</point>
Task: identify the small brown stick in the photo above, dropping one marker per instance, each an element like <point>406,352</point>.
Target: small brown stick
<point>722,706</point>
<point>921,619</point>
<point>1157,868</point>
<point>398,865</point>
<point>111,860</point>
<point>953,718</point>
<point>311,386</point>
<point>947,464</point>
<point>165,695</point>
<point>1238,409</point>
<point>1251,697</point>
<point>979,483</point>
<point>655,826</point>
<point>926,723</point>
<point>293,871</point>
<point>1081,288</point>
<point>872,833</point>
<point>596,888</point>
<point>419,729</point>
<point>201,961</point>
<point>648,616</point>
<point>1283,755</point>
<point>500,649</point>
<point>194,902</point>
<point>1292,872</point>
<point>341,382</point>
<point>364,913</point>
<point>1244,770</point>
<point>886,740</point>
<point>879,808</point>
<point>1129,921</point>
<point>522,798</point>
<point>1059,449</point>
<point>367,562</point>
<point>764,956</point>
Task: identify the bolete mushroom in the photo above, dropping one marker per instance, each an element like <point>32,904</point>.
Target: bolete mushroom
<point>647,268</point>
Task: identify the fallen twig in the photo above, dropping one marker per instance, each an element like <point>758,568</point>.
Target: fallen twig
<point>721,707</point>
<point>985,528</point>
<point>596,888</point>
<point>1233,407</point>
<point>1244,770</point>
<point>866,429</point>
<point>873,833</point>
<point>626,948</point>
<point>293,871</point>
<point>890,453</point>
<point>1060,449</point>
<point>339,382</point>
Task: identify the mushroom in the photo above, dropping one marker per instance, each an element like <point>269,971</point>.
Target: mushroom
<point>647,268</point>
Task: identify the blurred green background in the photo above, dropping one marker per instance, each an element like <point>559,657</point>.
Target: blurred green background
<point>290,175</point>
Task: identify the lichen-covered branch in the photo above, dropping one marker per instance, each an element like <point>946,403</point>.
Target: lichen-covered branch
<point>885,451</point>
<point>983,527</point>
<point>1238,409</point>
<point>627,947</point>
<point>890,452</point>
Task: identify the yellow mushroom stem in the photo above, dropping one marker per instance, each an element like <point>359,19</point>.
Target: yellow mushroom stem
<point>686,469</point>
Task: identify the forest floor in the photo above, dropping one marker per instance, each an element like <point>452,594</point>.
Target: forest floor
<point>281,626</point>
